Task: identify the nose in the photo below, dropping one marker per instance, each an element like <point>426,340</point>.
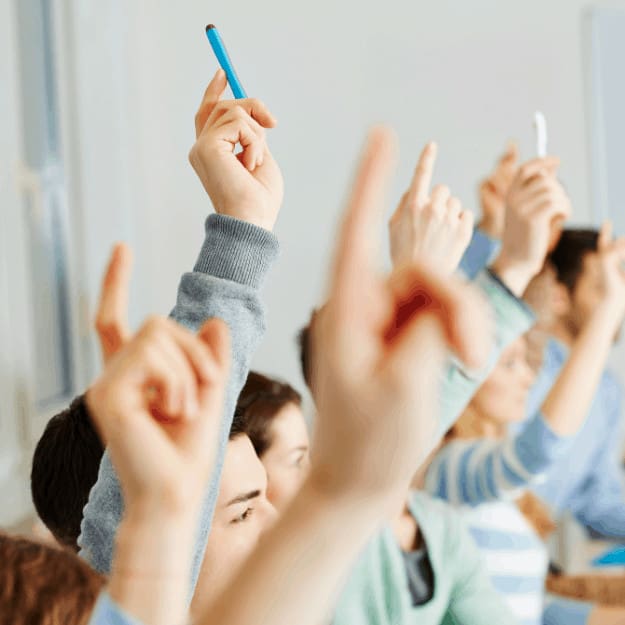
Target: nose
<point>269,515</point>
<point>528,376</point>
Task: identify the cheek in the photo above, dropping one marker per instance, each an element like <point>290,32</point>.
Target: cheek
<point>282,485</point>
<point>493,400</point>
<point>228,547</point>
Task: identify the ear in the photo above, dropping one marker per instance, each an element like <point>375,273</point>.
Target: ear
<point>561,301</point>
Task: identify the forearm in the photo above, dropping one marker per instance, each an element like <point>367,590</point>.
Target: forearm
<point>569,400</point>
<point>511,319</point>
<point>606,615</point>
<point>604,521</point>
<point>230,269</point>
<point>297,570</point>
<point>150,572</point>
<point>604,589</point>
<point>486,470</point>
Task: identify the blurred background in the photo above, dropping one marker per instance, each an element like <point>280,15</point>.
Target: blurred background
<point>97,101</point>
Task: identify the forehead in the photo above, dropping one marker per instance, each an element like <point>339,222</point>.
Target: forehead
<point>288,427</point>
<point>242,472</point>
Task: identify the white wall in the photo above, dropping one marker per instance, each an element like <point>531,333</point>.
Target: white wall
<point>468,74</point>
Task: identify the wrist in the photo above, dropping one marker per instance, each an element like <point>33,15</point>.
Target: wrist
<point>151,567</point>
<point>151,549</point>
<point>370,500</point>
<point>610,311</point>
<point>237,251</point>
<point>490,227</point>
<point>514,274</point>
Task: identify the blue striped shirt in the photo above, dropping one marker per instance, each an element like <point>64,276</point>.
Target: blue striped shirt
<point>483,477</point>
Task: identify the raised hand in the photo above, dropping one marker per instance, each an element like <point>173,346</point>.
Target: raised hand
<point>247,185</point>
<point>429,227</point>
<point>158,405</point>
<point>379,345</point>
<point>535,201</point>
<point>493,192</point>
<point>611,256</point>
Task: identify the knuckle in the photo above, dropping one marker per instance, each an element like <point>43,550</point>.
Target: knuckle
<point>153,325</point>
<point>239,112</point>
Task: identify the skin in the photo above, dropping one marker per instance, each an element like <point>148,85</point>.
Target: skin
<point>287,460</point>
<point>502,398</point>
<point>242,514</point>
<point>573,310</point>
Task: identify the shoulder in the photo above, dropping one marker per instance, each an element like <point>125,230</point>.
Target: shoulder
<point>433,514</point>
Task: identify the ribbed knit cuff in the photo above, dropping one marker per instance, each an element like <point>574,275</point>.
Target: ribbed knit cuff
<point>236,250</point>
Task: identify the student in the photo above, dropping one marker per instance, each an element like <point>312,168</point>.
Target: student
<point>491,467</point>
<point>238,251</point>
<point>430,224</point>
<point>294,571</point>
<point>588,482</point>
<point>44,585</point>
<point>424,566</point>
<point>273,419</point>
<point>590,487</point>
<point>421,568</point>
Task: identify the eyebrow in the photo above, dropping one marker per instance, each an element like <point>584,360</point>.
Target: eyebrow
<point>245,497</point>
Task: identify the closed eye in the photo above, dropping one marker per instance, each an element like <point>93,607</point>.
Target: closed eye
<point>244,516</point>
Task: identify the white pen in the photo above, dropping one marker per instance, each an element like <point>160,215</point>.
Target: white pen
<point>540,125</point>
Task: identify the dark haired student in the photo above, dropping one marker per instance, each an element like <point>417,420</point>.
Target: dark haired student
<point>588,481</point>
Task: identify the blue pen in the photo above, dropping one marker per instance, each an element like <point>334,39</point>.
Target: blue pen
<point>224,60</point>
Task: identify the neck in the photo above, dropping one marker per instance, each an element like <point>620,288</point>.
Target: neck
<point>406,530</point>
<point>492,429</point>
<point>474,424</point>
<point>562,331</point>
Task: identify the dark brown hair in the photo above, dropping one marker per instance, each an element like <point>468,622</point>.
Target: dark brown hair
<point>42,585</point>
<point>65,468</point>
<point>567,258</point>
<point>304,343</point>
<point>260,400</point>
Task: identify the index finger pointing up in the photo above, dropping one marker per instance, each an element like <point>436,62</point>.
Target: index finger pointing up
<point>422,179</point>
<point>354,260</point>
<point>211,97</point>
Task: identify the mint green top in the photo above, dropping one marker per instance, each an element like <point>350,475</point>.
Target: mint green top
<point>377,592</point>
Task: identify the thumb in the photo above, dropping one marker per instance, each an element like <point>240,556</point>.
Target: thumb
<point>605,236</point>
<point>418,290</point>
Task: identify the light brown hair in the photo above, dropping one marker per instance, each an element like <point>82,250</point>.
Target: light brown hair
<point>42,585</point>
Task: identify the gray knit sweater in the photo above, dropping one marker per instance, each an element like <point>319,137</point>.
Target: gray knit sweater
<point>234,260</point>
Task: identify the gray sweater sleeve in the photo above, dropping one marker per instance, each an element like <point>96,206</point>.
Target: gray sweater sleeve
<point>235,258</point>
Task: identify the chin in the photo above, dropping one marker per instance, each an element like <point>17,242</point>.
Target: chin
<point>515,417</point>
